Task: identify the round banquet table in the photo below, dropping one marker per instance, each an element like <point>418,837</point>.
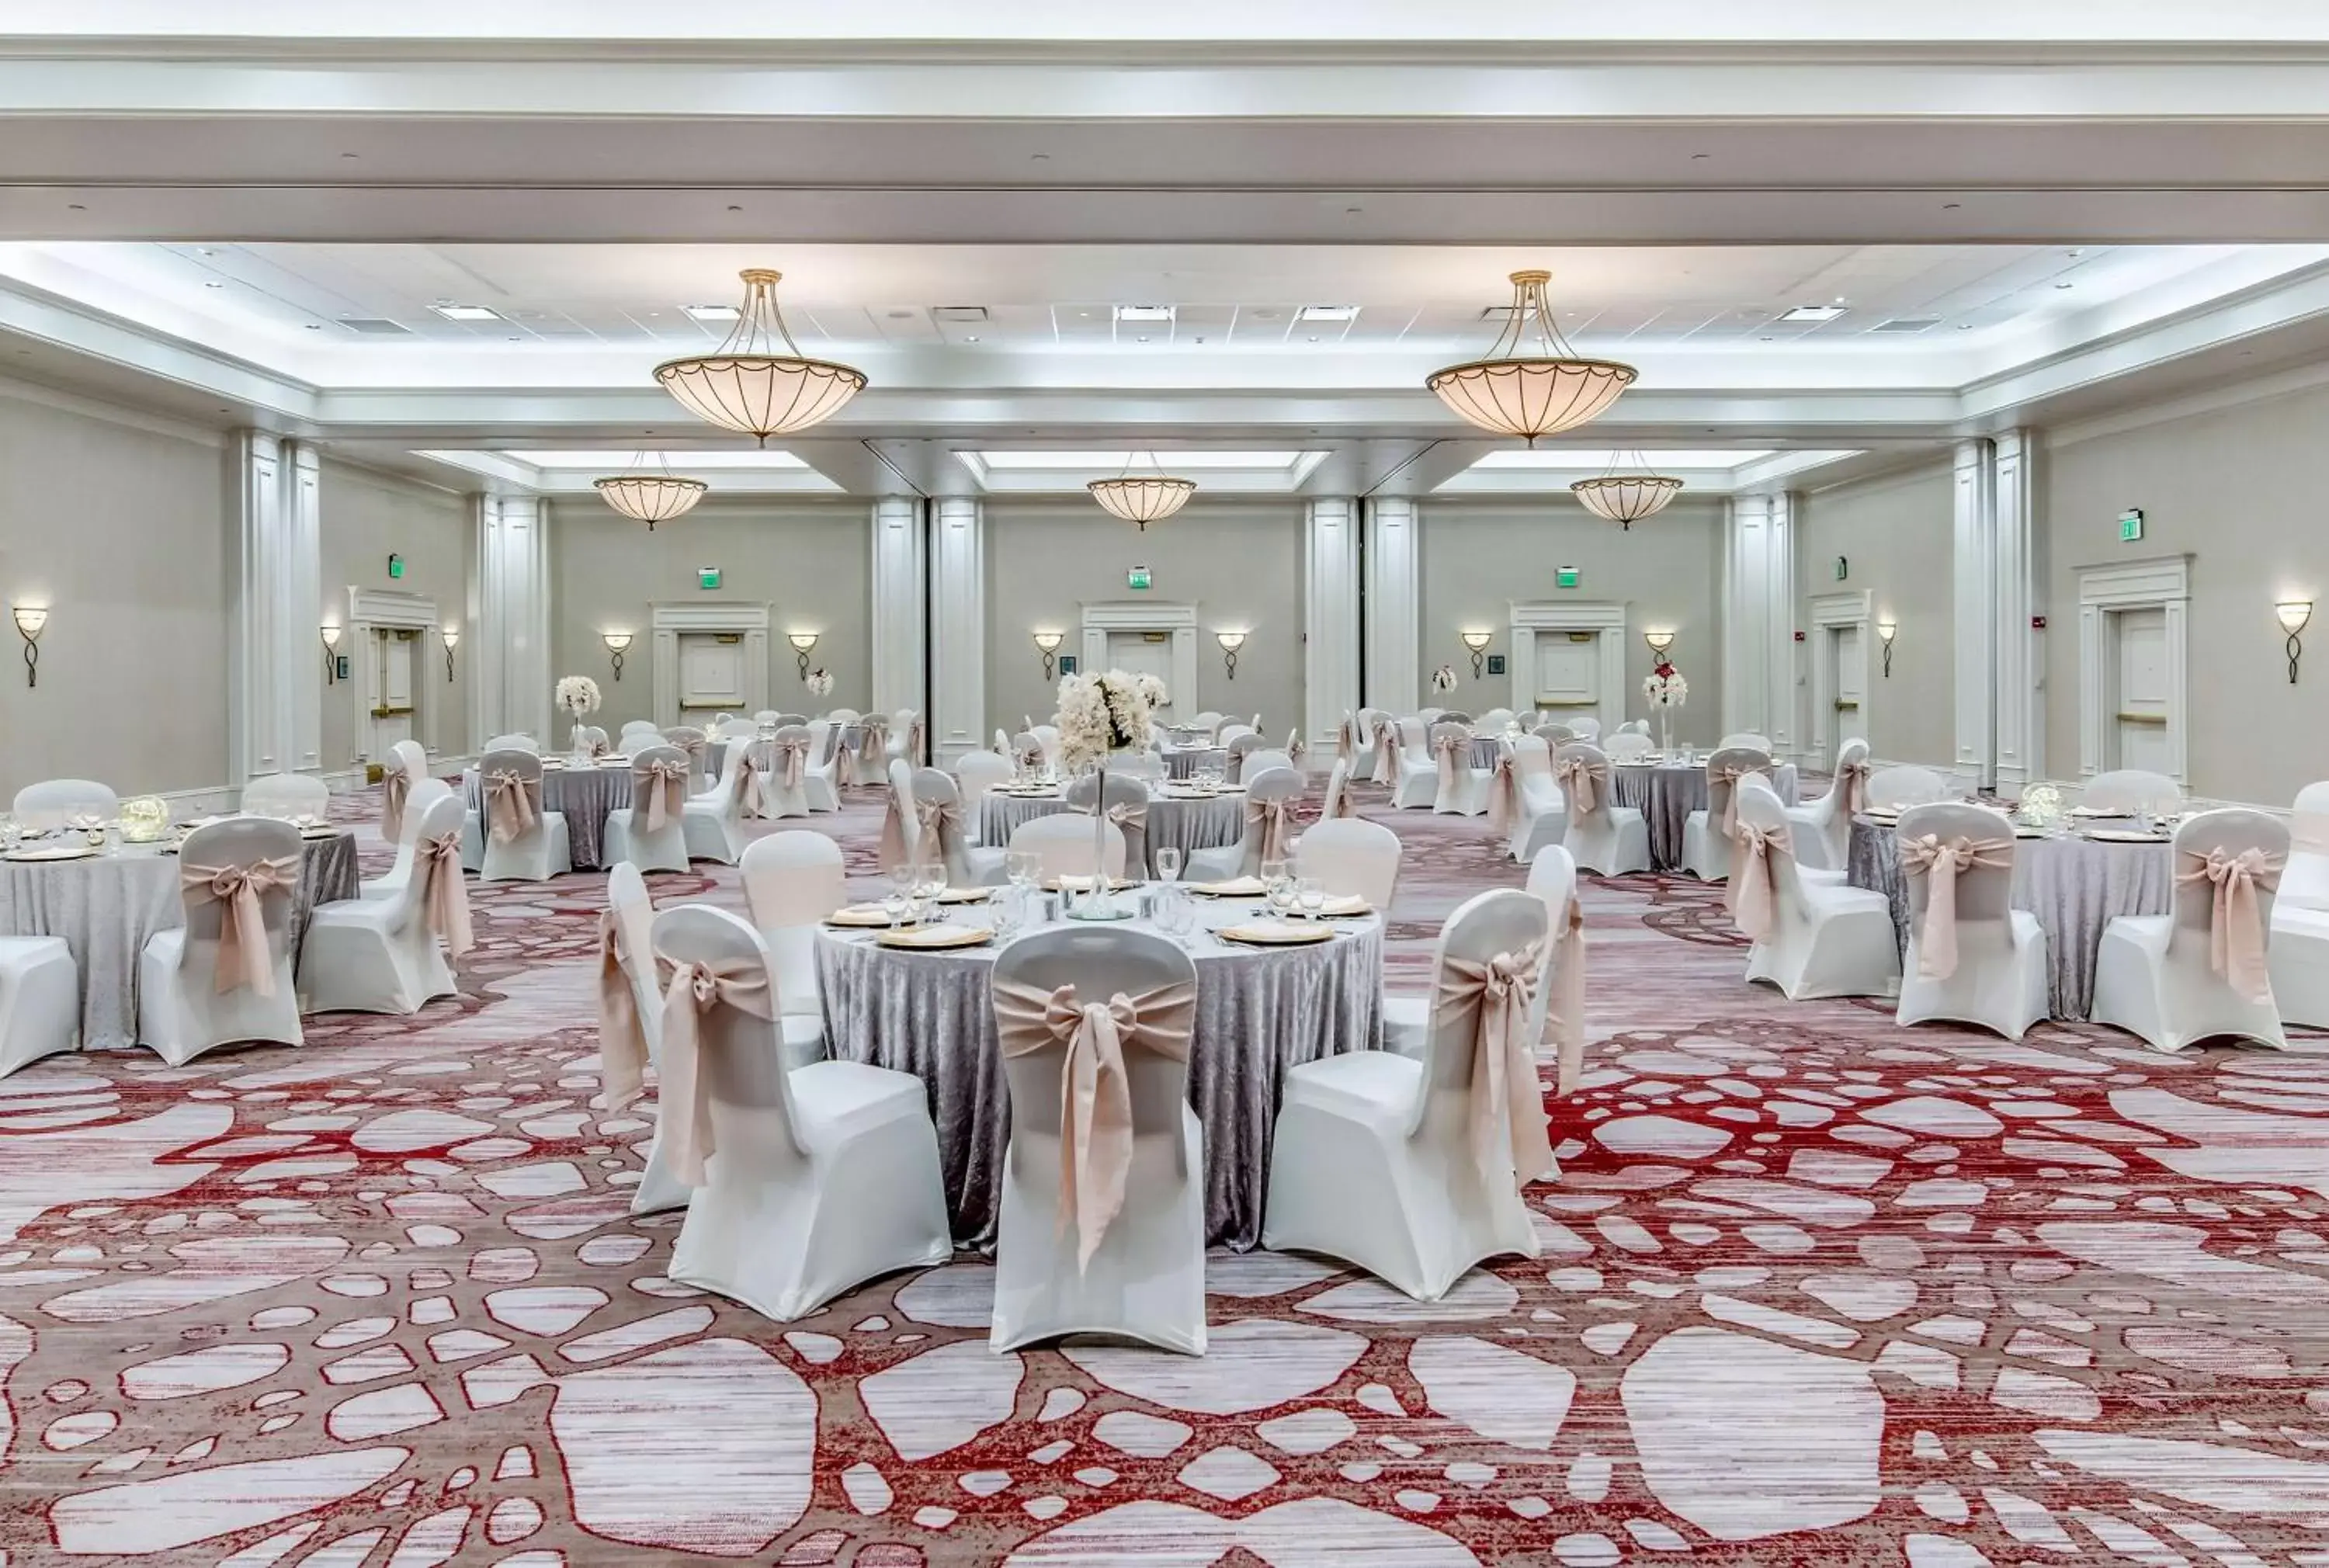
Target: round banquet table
<point>1189,761</point>
<point>106,907</point>
<point>1666,793</point>
<point>2074,886</point>
<point>1177,822</point>
<point>1259,1012</point>
<point>584,795</point>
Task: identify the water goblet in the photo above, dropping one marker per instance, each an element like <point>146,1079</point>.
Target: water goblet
<point>1278,884</point>
<point>1311,893</point>
<point>897,907</point>
<point>1168,865</point>
<point>902,877</point>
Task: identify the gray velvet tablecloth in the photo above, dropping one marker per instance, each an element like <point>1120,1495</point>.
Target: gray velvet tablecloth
<point>1188,761</point>
<point>583,796</point>
<point>1666,793</point>
<point>2074,886</point>
<point>1180,825</point>
<point>1259,1012</point>
<point>106,907</point>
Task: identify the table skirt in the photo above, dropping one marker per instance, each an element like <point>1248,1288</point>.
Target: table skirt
<point>1183,825</point>
<point>582,796</point>
<point>1665,793</point>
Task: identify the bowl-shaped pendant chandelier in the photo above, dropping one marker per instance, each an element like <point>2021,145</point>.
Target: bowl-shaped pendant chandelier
<point>757,382</point>
<point>1531,384</point>
<point>650,495</point>
<point>1142,498</point>
<point>1626,495</point>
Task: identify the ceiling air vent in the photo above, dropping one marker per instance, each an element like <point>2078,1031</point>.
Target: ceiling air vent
<point>1908,323</point>
<point>373,326</point>
<point>960,315</point>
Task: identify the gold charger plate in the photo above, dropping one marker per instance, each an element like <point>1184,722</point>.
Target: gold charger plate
<point>935,938</point>
<point>859,916</point>
<point>1275,934</point>
<point>53,852</point>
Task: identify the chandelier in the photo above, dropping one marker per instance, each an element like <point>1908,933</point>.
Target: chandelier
<point>1526,387</point>
<point>650,497</point>
<point>1623,495</point>
<point>747,385</point>
<point>1142,498</point>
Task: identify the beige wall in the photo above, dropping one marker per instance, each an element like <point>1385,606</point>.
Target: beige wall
<point>1479,557</point>
<point>1895,532</point>
<point>121,529</point>
<point>1239,562</point>
<point>2240,492</point>
<point>810,561</point>
<point>366,515</point>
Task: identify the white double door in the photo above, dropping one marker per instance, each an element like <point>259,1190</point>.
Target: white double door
<point>1850,683</point>
<point>394,660</point>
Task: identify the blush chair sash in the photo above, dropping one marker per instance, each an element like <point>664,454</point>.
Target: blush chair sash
<point>1134,821</point>
<point>1345,804</point>
<point>1346,739</point>
<point>1387,755</point>
<point>512,802</point>
<point>1504,795</point>
<point>845,761</point>
<point>659,791</point>
<point>1095,1091</point>
<point>1751,894</point>
<point>914,740</point>
<point>444,896</point>
<point>1265,833</point>
<point>941,829</point>
<point>1455,755</point>
<point>394,789</point>
<point>751,783</point>
<point>791,759</point>
<point>1582,783</point>
<point>1504,1094</point>
<point>875,742</point>
<point>1728,777</point>
<point>622,1038</point>
<point>1852,780</point>
<point>695,990</point>
<point>243,957</point>
<point>1564,1018</point>
<point>2236,940</point>
<point>892,852</point>
<point>1943,861</point>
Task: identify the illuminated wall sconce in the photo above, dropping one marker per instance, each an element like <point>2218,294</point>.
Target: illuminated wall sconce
<point>802,642</point>
<point>1885,632</point>
<point>1659,642</point>
<point>1048,645</point>
<point>2293,614</point>
<point>30,620</point>
<point>1477,642</point>
<point>1231,643</point>
<point>618,644</point>
<point>331,654</point>
<point>452,636</point>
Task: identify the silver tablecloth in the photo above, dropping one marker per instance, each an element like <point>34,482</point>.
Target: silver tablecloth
<point>584,795</point>
<point>1180,825</point>
<point>1188,761</point>
<point>2074,886</point>
<point>106,908</point>
<point>1665,793</point>
<point>1260,1011</point>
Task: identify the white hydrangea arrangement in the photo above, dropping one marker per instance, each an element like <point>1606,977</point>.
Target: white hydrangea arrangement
<point>1102,713</point>
<point>578,695</point>
<point>1444,678</point>
<point>1153,692</point>
<point>1665,686</point>
<point>2041,805</point>
<point>819,683</point>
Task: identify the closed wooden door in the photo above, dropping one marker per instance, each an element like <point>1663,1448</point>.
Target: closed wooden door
<point>1851,685</point>
<point>1135,655</point>
<point>1567,673</point>
<point>2142,719</point>
<point>711,674</point>
<point>393,671</point>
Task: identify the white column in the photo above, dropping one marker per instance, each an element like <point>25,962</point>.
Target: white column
<point>958,629</point>
<point>1759,631</point>
<point>1975,618</point>
<point>2020,551</point>
<point>275,650</point>
<point>1394,605</point>
<point>900,598</point>
<point>508,644</point>
<point>1330,617</point>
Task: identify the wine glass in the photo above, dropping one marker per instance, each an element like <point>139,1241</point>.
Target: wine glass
<point>1276,884</point>
<point>1168,865</point>
<point>929,881</point>
<point>902,878</point>
<point>1311,893</point>
<point>1003,913</point>
<point>897,907</point>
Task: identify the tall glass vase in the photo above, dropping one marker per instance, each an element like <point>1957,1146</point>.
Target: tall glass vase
<point>578,744</point>
<point>1665,728</point>
<point>1100,901</point>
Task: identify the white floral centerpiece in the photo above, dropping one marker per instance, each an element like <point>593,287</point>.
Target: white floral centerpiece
<point>1666,691</point>
<point>578,695</point>
<point>1153,691</point>
<point>2041,805</point>
<point>1444,678</point>
<point>1100,714</point>
<point>819,683</point>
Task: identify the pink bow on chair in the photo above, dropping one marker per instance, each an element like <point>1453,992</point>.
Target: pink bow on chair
<point>876,739</point>
<point>1728,776</point>
<point>1134,821</point>
<point>1450,747</point>
<point>844,764</point>
<point>659,788</point>
<point>394,791</point>
<point>444,896</point>
<point>622,1035</point>
<point>1943,863</point>
<point>1343,805</point>
<point>892,852</point>
<point>696,990</point>
<point>1504,795</point>
<point>1751,894</point>
<point>1265,832</point>
<point>1507,1106</point>
<point>914,741</point>
<point>791,759</point>
<point>2236,939</point>
<point>1581,782</point>
<point>941,829</point>
<point>1347,740</point>
<point>1852,778</point>
<point>1095,1090</point>
<point>512,802</point>
<point>751,783</point>
<point>1387,755</point>
<point>244,957</point>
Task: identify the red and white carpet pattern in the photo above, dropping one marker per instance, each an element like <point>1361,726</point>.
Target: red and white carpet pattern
<point>1814,1290</point>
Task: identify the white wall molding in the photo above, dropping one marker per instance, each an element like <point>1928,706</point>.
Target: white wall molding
<point>2105,591</point>
<point>274,676</point>
<point>1973,611</point>
<point>383,609</point>
<point>958,720</point>
<point>1604,618</point>
<point>900,605</point>
<point>2018,556</point>
<point>508,641</point>
<point>1393,619</point>
<point>1759,683</point>
<point>1177,621</point>
<point>1830,612</point>
<point>1330,616</point>
<point>668,621</point>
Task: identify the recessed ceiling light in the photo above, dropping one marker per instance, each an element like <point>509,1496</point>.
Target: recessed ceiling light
<point>1144,312</point>
<point>315,326</point>
<point>711,312</point>
<point>1965,326</point>
<point>901,315</point>
<point>970,337</point>
<point>467,311</point>
<point>1143,338</point>
<point>1813,313</point>
<point>214,282</point>
<point>2066,286</point>
<point>1328,312</point>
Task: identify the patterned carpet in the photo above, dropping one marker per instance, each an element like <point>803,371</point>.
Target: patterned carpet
<point>1814,1290</point>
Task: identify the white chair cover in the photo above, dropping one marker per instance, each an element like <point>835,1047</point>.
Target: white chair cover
<point>54,802</point>
<point>2203,971</point>
<point>1971,956</point>
<point>288,796</point>
<point>523,842</point>
<point>1813,938</point>
<point>1351,858</point>
<point>651,831</point>
<point>2132,790</point>
<point>388,955</point>
<point>1603,837</point>
<point>225,975</point>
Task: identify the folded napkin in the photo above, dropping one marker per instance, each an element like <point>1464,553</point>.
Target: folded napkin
<point>1078,884</point>
<point>1275,934</point>
<point>859,915</point>
<point>937,936</point>
<point>1235,888</point>
<point>966,896</point>
<point>1352,904</point>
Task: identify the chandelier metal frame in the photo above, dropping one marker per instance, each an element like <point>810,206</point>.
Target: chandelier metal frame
<point>1527,388</point>
<point>747,386</point>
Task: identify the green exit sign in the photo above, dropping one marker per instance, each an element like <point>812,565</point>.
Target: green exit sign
<point>1136,579</point>
<point>707,576</point>
<point>2130,525</point>
<point>1565,577</point>
<point>396,566</point>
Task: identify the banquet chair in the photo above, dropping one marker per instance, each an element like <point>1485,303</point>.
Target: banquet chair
<point>406,770</point>
<point>2131,790</point>
<point>1139,765</point>
<point>2202,970</point>
<point>1452,716</point>
<point>1622,746</point>
<point>784,718</point>
<point>1418,785</point>
<point>1107,1237</point>
<point>1459,788</point>
<point>1988,965</point>
<point>633,729</point>
<point>40,1001</point>
<point>1235,749</point>
<point>1536,812</point>
<point>596,739</point>
<point>1232,733</point>
<point>651,831</point>
<point>712,823</point>
<point>1494,722</point>
<point>286,795</point>
<point>514,742</point>
<point>225,975</point>
<point>767,718</point>
<point>1061,844</point>
<point>1706,833</point>
<point>1634,726</point>
<point>735,729</point>
<point>1338,800</point>
<point>698,747</point>
<point>906,736</point>
<point>792,880</point>
<point>387,955</point>
<point>2299,955</point>
<point>1366,727</point>
<point>902,824</point>
<point>1389,1161</point>
<point>976,774</point>
<point>1604,837</point>
<point>522,842</point>
<point>1127,804</point>
<point>1267,833</point>
<point>1746,739</point>
<point>1557,735</point>
<point>390,884</point>
<point>1821,830</point>
<point>52,802</point>
<point>1893,788</point>
<point>1047,738</point>
<point>1586,728</point>
<point>1209,722</point>
<point>1263,758</point>
<point>1553,880</point>
<point>1428,717</point>
<point>784,788</point>
<point>1351,858</point>
<point>839,717</point>
<point>808,1180</point>
<point>1813,936</point>
<point>938,806</point>
<point>626,975</point>
<point>822,761</point>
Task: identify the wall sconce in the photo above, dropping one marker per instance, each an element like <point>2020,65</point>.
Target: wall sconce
<point>331,654</point>
<point>1885,632</point>
<point>1231,643</point>
<point>2293,614</point>
<point>802,642</point>
<point>30,620</point>
<point>452,636</point>
<point>1048,645</point>
<point>1659,642</point>
<point>617,642</point>
<point>1477,642</point>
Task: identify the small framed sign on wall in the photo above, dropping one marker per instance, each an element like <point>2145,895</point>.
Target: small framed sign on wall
<point>1069,663</point>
